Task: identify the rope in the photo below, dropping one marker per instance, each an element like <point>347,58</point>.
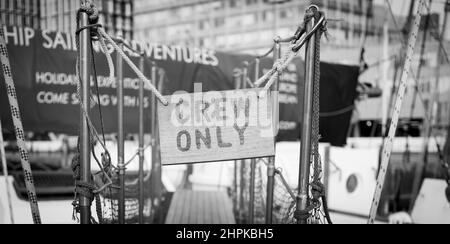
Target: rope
<point>133,66</point>
<point>395,118</point>
<point>18,128</point>
<point>85,189</point>
<point>283,63</point>
<point>337,112</point>
<point>5,174</point>
<point>317,188</point>
<point>98,94</point>
<point>108,58</point>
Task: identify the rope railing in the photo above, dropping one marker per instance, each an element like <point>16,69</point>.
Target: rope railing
<point>103,185</point>
<point>318,211</point>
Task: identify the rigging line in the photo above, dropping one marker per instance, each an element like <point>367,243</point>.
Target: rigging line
<point>387,148</point>
<point>427,114</point>
<point>19,131</point>
<point>433,25</point>
<point>141,76</point>
<point>422,53</point>
<point>94,69</point>
<point>419,69</point>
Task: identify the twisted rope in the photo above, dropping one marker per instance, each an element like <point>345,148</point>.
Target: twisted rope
<point>141,76</point>
<point>18,129</point>
<point>289,56</point>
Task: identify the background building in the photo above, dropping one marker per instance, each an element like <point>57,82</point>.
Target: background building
<point>247,25</point>
<point>115,15</point>
<point>20,13</point>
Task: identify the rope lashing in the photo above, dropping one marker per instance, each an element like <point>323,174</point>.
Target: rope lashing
<point>89,8</point>
<point>85,189</point>
<point>141,76</point>
<point>283,63</point>
<point>303,215</point>
<point>317,188</point>
<point>18,129</point>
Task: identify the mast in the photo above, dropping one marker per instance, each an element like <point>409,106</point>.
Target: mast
<point>85,154</point>
<point>120,137</point>
<point>305,146</point>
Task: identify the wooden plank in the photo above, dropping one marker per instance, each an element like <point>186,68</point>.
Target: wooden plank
<point>185,207</point>
<point>201,205</point>
<point>209,205</point>
<point>217,208</point>
<point>221,209</point>
<point>175,208</point>
<point>228,209</point>
<point>189,207</point>
<point>179,208</point>
<point>193,208</point>
<point>216,215</point>
<point>209,132</point>
<point>172,209</point>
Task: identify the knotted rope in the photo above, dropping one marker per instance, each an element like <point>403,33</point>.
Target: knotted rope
<point>85,189</point>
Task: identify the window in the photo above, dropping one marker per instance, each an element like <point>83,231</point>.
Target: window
<point>283,14</point>
<point>233,3</point>
<point>219,22</point>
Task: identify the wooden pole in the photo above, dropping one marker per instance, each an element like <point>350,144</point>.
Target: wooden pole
<point>120,137</point>
<point>85,162</point>
<point>141,144</point>
<point>305,147</point>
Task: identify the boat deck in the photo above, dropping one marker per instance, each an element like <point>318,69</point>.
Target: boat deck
<point>200,207</point>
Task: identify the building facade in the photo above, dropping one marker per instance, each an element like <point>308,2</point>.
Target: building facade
<point>115,15</point>
<point>246,25</point>
<point>20,13</point>
<point>60,15</point>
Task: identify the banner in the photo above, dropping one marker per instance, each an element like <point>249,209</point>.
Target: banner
<point>43,66</point>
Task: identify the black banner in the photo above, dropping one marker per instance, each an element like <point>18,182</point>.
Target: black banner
<point>43,65</point>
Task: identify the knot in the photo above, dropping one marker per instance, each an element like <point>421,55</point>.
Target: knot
<point>303,215</point>
<point>89,8</point>
<point>75,165</point>
<point>317,190</point>
<point>85,189</point>
<point>237,73</point>
<point>278,66</point>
